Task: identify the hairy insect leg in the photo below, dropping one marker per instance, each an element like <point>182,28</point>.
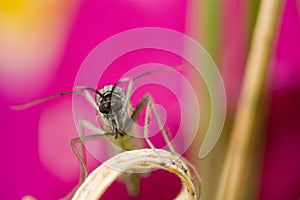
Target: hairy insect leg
<point>161,127</point>
<point>148,101</point>
<point>80,154</point>
<point>146,130</point>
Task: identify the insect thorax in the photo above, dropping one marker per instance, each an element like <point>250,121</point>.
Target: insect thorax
<point>110,103</point>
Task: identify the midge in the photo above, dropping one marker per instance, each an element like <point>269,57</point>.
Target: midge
<point>116,118</point>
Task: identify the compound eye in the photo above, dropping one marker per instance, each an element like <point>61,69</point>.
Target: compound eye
<point>105,107</point>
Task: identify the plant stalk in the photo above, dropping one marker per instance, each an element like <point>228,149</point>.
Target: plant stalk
<point>232,175</point>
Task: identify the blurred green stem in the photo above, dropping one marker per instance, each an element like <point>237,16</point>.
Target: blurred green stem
<point>232,176</point>
<point>211,14</point>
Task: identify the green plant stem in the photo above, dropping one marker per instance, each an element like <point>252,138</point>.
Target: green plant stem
<point>231,180</point>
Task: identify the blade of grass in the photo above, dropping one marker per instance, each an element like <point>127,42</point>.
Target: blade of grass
<point>230,185</point>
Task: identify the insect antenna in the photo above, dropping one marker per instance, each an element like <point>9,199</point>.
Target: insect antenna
<point>77,90</point>
<point>148,73</point>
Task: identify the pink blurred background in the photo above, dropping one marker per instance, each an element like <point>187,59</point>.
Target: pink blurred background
<point>43,43</point>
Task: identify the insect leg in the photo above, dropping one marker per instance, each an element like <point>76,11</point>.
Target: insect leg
<point>147,99</point>
<point>80,154</point>
<point>161,127</point>
<point>146,127</point>
<point>146,130</point>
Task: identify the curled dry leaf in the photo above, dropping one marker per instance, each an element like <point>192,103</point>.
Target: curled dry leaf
<point>136,161</point>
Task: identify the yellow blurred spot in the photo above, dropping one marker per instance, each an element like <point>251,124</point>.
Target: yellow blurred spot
<point>11,7</point>
<point>32,37</point>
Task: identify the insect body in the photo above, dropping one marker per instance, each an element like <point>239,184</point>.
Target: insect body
<point>111,108</point>
<point>116,118</point>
